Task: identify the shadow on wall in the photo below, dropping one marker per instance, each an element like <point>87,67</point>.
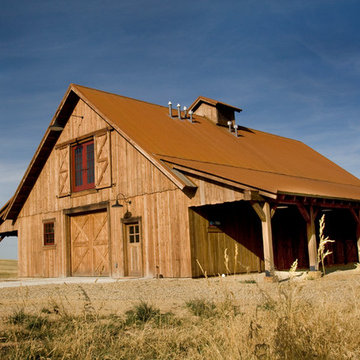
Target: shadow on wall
<point>233,227</point>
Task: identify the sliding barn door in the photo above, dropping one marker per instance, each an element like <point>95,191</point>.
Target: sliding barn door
<point>89,244</point>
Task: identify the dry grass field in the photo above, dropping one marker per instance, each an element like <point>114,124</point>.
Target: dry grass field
<point>237,317</point>
<point>8,269</point>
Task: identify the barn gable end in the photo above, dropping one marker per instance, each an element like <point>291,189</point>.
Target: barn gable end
<point>131,174</point>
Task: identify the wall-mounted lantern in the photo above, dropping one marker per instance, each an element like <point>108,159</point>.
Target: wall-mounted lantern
<point>127,202</point>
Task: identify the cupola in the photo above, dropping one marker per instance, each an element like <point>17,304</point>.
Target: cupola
<point>216,111</point>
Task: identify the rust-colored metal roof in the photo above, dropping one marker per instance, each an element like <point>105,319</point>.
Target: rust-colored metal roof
<point>268,162</point>
<point>255,159</point>
<point>213,102</point>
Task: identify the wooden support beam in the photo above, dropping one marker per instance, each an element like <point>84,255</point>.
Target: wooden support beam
<point>267,240</point>
<point>273,210</point>
<point>311,238</point>
<point>264,213</point>
<point>358,239</point>
<point>303,212</point>
<point>252,195</point>
<point>356,215</point>
<point>259,210</point>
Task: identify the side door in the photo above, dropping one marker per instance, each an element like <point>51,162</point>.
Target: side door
<point>133,248</point>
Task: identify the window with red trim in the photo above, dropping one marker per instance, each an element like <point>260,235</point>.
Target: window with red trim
<point>49,233</point>
<point>83,167</point>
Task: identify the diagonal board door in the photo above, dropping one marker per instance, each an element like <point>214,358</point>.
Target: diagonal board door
<point>89,244</point>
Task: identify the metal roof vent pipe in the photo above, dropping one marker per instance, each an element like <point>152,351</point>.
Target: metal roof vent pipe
<point>236,130</point>
<point>185,112</point>
<point>191,115</point>
<point>170,109</point>
<point>229,125</point>
<point>179,111</point>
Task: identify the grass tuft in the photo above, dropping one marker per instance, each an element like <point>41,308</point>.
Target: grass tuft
<point>202,308</point>
<point>141,313</point>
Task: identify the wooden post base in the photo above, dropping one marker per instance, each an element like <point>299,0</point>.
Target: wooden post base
<point>313,275</point>
<point>271,279</point>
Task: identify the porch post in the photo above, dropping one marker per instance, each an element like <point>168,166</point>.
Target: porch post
<point>356,215</point>
<point>358,239</point>
<point>267,240</point>
<point>265,214</point>
<point>311,238</point>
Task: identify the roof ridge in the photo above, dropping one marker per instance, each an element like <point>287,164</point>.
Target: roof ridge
<point>277,136</point>
<point>119,95</point>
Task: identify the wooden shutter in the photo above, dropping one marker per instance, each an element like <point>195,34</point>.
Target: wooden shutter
<point>64,171</point>
<point>102,160</point>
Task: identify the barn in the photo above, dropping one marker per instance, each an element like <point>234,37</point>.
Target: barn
<point>124,188</point>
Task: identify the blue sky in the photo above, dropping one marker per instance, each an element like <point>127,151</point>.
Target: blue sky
<point>292,66</point>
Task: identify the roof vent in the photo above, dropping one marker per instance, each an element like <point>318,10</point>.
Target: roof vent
<point>229,125</point>
<point>179,111</point>
<point>185,112</point>
<point>236,130</point>
<point>191,116</point>
<point>170,109</point>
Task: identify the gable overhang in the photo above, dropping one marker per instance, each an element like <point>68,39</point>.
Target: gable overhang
<point>73,94</point>
<point>41,155</point>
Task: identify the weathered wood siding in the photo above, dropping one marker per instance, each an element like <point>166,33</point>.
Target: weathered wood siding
<point>162,207</point>
<point>341,227</point>
<point>120,169</point>
<point>210,192</point>
<point>289,239</point>
<point>237,237</point>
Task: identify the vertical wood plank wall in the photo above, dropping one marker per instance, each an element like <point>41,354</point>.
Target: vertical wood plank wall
<point>166,243</point>
<point>289,239</point>
<point>238,232</point>
<point>163,208</point>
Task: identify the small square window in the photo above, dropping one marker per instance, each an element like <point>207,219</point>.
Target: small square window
<point>49,233</point>
<point>133,233</point>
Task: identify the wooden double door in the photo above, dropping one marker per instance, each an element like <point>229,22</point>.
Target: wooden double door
<point>89,244</point>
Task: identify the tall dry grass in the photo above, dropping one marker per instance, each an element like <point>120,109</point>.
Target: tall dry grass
<point>322,252</point>
<point>8,269</point>
<point>284,323</point>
